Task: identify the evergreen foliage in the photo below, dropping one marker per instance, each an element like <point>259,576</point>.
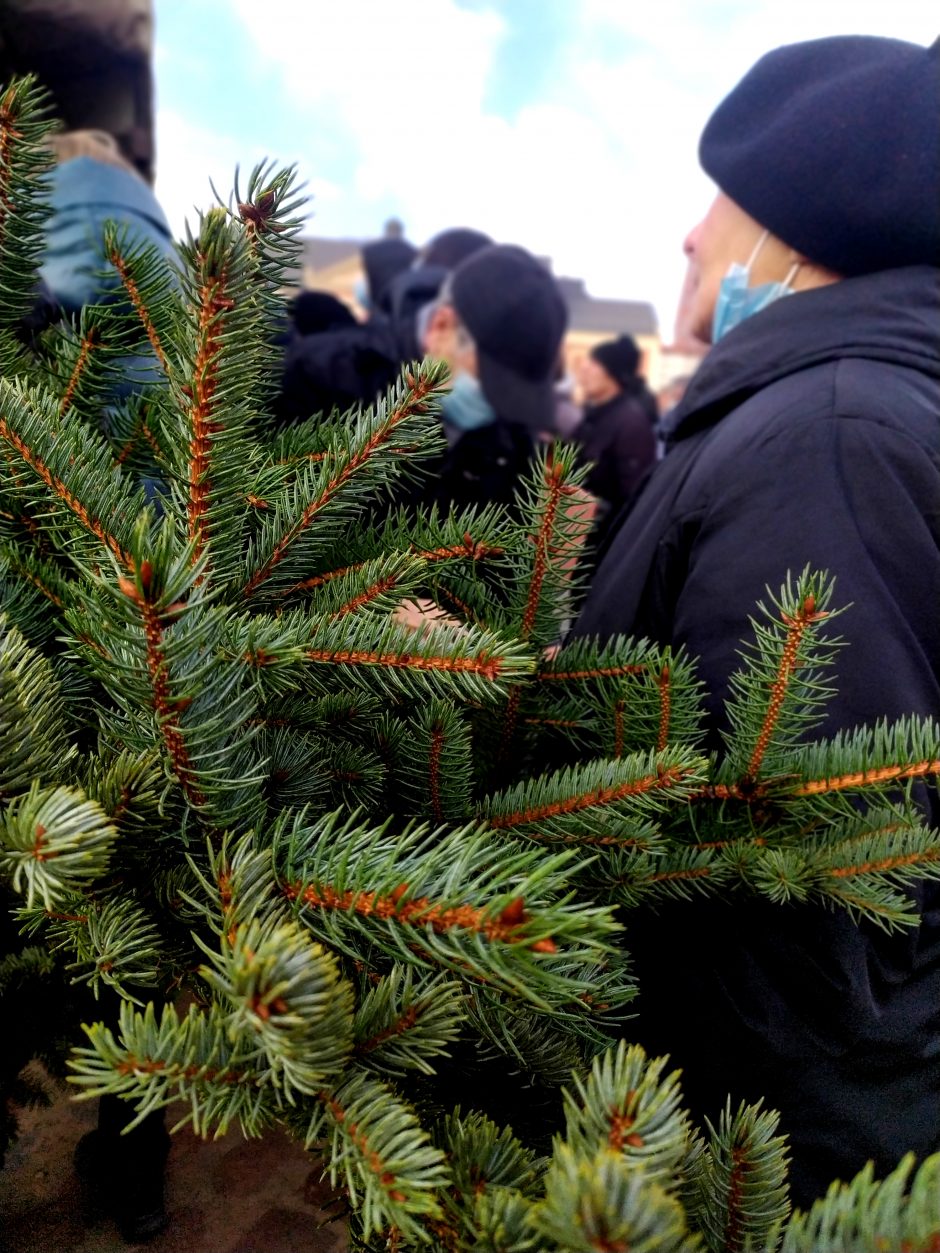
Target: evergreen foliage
<point>363,851</point>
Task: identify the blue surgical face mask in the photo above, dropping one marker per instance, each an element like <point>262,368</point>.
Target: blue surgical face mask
<point>465,407</point>
<point>737,301</point>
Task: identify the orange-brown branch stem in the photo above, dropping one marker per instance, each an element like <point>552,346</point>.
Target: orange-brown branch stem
<point>203,425</point>
<point>796,629</point>
<point>42,471</point>
<point>143,313</point>
<point>89,343</point>
<point>865,778</point>
<point>488,667</point>
<point>605,672</point>
<point>165,707</point>
<point>588,800</point>
<point>419,912</point>
<point>414,403</point>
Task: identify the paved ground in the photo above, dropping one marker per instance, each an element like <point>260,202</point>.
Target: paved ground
<point>224,1196</point>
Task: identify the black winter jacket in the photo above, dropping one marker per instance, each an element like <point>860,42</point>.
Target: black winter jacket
<point>811,434</point>
<point>618,437</point>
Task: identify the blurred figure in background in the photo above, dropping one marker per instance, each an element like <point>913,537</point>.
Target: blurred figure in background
<point>331,361</point>
<point>313,312</point>
<point>617,432</point>
<point>350,363</point>
<point>90,184</point>
<point>499,324</point>
<point>412,294</point>
<point>383,261</point>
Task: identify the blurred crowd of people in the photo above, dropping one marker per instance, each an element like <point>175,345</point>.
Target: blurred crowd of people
<point>810,434</point>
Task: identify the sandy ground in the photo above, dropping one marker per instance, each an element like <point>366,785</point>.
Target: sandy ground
<point>223,1196</point>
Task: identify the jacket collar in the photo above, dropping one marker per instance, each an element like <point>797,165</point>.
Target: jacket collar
<point>890,316</point>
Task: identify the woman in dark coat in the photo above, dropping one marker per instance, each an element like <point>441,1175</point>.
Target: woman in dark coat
<point>617,432</point>
<point>810,434</point>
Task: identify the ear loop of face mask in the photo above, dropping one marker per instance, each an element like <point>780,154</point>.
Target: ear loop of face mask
<point>737,301</point>
<point>790,274</point>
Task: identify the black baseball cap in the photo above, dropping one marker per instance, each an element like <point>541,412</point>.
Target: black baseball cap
<point>514,310</point>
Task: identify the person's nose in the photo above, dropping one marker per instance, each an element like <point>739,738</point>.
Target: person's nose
<point>690,243</point>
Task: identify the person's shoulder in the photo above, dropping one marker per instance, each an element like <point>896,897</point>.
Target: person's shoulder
<point>864,397</point>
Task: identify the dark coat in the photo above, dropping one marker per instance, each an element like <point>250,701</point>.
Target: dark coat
<point>811,434</point>
<point>338,369</point>
<point>618,437</point>
<point>481,467</point>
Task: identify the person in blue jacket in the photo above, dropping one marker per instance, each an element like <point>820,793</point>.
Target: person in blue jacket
<point>809,435</point>
<point>90,184</point>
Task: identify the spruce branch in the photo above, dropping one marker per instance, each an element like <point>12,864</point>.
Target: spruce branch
<point>483,1156</point>
<point>778,695</point>
<point>33,735</point>
<point>406,1020</point>
<point>867,762</point>
<point>54,841</point>
<point>603,1203</point>
<point>867,1215</point>
<point>389,659</point>
<point>493,911</point>
<point>548,543</point>
<point>159,637</point>
<point>150,287</point>
<point>628,1106</point>
<point>115,942</point>
<point>231,886</point>
<point>528,1044</point>
<point>271,219</point>
<point>29,584</point>
<point>25,122</point>
<point>634,875</point>
<point>858,863</point>
<point>502,1223</point>
<point>80,493</point>
<point>361,458</point>
<point>607,800</point>
<point>433,771</point>
<point>153,1062</point>
<point>382,1155</point>
<point>740,1195</point>
<point>287,994</point>
<point>85,356</point>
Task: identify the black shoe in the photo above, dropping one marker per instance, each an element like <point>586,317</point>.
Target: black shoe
<point>124,1178</point>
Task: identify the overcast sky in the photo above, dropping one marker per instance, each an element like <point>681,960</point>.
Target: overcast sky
<point>568,126</point>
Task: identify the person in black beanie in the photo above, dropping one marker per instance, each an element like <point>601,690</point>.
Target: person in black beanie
<point>498,324</point>
<point>617,432</point>
<point>809,435</point>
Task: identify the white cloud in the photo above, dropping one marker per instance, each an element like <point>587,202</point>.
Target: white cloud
<point>191,159</point>
<point>601,174</point>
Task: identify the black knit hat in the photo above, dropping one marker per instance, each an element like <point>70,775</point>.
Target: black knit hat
<point>452,246</point>
<point>619,357</point>
<point>834,147</point>
<point>512,307</point>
